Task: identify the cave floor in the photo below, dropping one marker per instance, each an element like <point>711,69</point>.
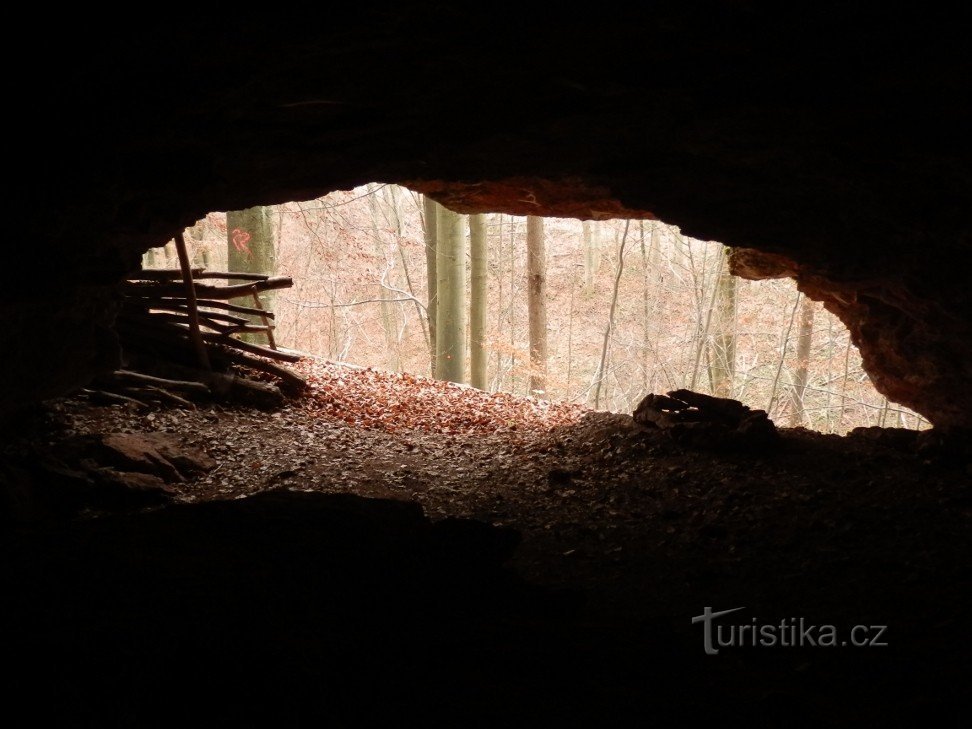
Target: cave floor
<point>625,536</point>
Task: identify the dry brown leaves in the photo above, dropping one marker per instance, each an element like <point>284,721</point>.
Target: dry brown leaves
<point>397,401</point>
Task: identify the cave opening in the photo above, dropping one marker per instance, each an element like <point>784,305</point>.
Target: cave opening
<point>360,264</point>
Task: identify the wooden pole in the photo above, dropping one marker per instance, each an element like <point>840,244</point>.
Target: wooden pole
<point>194,333</point>
<point>266,321</point>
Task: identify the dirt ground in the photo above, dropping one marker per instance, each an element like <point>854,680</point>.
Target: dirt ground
<point>621,536</point>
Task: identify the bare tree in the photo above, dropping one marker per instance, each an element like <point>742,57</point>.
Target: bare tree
<point>800,377</point>
<point>599,375</point>
<point>477,301</point>
<point>537,305</point>
<point>722,357</point>
<point>430,210</point>
<point>393,357</point>
<point>450,266</point>
<point>592,254</point>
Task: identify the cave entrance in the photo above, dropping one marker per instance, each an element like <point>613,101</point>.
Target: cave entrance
<point>631,307</point>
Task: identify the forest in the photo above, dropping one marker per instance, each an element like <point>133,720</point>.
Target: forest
<point>597,313</point>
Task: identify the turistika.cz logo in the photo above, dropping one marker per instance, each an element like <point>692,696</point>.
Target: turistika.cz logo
<point>788,633</point>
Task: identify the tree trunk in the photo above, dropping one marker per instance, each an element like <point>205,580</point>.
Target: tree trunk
<point>429,220</point>
<point>150,259</point>
<point>722,358</point>
<point>800,377</point>
<point>250,247</point>
<point>537,305</point>
<point>392,349</point>
<point>784,346</point>
<point>592,254</point>
<point>602,366</point>
<point>200,251</point>
<point>477,301</point>
<point>450,265</point>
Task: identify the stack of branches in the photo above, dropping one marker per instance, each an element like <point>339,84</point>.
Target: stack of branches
<point>703,421</point>
<point>162,333</point>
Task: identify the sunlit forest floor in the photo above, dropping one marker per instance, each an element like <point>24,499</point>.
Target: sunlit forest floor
<point>622,536</point>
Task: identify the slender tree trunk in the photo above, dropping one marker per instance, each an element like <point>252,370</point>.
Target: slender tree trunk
<point>592,254</point>
<point>800,377</point>
<point>537,305</point>
<point>646,308</point>
<point>392,350</point>
<point>419,312</point>
<point>783,348</point>
<point>200,251</point>
<point>500,269</point>
<point>250,248</point>
<point>843,386</point>
<point>150,259</point>
<point>512,307</point>
<point>601,368</point>
<point>477,301</point>
<point>450,266</point>
<point>722,358</point>
<point>705,328</point>
<point>430,210</point>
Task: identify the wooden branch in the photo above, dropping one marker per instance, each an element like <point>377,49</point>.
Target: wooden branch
<point>204,320</point>
<point>266,322</point>
<point>158,393</point>
<point>162,328</point>
<point>239,276</point>
<point>162,302</point>
<point>251,348</point>
<point>140,379</point>
<point>160,274</point>
<point>247,329</point>
<point>209,292</point>
<point>237,308</point>
<point>181,318</point>
<point>113,398</point>
<point>194,334</point>
<point>144,310</point>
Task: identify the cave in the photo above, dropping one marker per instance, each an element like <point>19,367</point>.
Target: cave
<point>824,143</point>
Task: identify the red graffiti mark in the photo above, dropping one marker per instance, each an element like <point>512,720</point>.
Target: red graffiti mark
<point>240,240</point>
